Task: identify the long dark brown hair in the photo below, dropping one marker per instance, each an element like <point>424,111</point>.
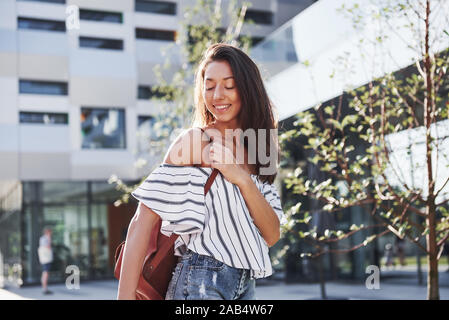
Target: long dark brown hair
<point>257,110</point>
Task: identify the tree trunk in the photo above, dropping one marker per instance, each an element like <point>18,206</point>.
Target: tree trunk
<point>433,290</point>
<point>429,116</point>
<point>322,281</point>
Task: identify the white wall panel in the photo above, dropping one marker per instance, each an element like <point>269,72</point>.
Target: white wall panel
<point>8,40</point>
<point>108,5</point>
<point>102,92</point>
<point>47,103</point>
<point>43,42</point>
<point>41,138</point>
<point>43,67</point>
<point>99,63</point>
<point>8,18</point>
<point>44,166</point>
<point>155,21</point>
<point>9,138</point>
<point>101,164</point>
<point>8,101</point>
<point>41,10</point>
<point>9,168</point>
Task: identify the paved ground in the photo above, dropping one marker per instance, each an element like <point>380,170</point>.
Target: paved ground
<point>398,284</point>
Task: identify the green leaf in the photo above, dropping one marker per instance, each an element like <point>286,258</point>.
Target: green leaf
<point>329,110</point>
<point>368,240</point>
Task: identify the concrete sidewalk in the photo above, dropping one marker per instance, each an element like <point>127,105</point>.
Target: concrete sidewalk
<point>394,285</point>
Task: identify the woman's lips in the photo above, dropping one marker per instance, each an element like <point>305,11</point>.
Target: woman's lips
<point>222,108</point>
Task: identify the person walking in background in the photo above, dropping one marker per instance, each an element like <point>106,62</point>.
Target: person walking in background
<point>400,250</point>
<point>388,255</point>
<point>45,254</point>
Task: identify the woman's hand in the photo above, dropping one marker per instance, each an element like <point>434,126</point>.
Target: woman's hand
<point>221,156</point>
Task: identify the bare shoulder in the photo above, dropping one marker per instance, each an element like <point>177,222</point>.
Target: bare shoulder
<point>187,148</point>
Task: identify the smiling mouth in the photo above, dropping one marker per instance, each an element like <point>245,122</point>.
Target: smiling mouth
<point>222,107</point>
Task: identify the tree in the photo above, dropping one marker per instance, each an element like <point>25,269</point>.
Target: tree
<point>355,145</point>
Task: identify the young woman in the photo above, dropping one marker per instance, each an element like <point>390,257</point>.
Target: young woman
<point>224,236</point>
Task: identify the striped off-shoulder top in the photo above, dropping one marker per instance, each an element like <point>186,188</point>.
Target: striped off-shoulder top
<point>217,224</point>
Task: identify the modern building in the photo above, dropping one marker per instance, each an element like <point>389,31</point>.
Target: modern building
<point>74,92</point>
<point>300,61</point>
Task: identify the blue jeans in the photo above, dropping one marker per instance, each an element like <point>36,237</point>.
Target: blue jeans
<point>199,277</point>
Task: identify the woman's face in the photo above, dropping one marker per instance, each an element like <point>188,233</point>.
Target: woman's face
<point>220,92</point>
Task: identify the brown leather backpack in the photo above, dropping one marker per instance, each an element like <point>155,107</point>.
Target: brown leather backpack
<point>159,261</point>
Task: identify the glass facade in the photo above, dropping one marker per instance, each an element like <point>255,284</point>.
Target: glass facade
<point>152,34</point>
<point>277,52</point>
<point>43,118</point>
<point>103,128</point>
<point>100,43</point>
<point>49,1</point>
<point>43,87</point>
<point>147,92</point>
<point>103,16</point>
<point>259,16</point>
<point>10,236</point>
<point>160,7</point>
<point>86,228</point>
<point>40,24</point>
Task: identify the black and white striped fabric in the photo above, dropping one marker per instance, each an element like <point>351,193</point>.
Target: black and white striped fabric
<point>218,224</point>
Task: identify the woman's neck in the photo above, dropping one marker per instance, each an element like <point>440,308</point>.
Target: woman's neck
<point>222,126</point>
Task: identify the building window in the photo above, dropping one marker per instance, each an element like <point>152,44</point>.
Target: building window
<point>253,40</point>
<point>103,16</point>
<point>101,43</point>
<point>103,128</point>
<point>160,7</point>
<point>43,87</point>
<point>49,1</point>
<point>40,24</point>
<point>153,34</point>
<point>146,132</point>
<point>147,92</point>
<point>43,118</point>
<point>259,17</point>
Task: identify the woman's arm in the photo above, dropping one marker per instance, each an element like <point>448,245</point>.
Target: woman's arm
<point>137,240</point>
<point>261,211</point>
<point>263,215</point>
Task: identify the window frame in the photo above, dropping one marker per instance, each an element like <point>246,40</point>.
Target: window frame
<point>43,114</point>
<point>59,24</point>
<point>172,7</point>
<point>139,34</point>
<point>83,12</point>
<point>82,41</point>
<point>258,19</point>
<point>46,1</point>
<point>63,86</point>
<point>122,111</point>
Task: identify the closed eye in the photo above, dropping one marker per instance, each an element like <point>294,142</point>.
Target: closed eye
<point>208,89</point>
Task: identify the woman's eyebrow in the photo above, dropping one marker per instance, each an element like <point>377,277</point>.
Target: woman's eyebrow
<point>211,79</point>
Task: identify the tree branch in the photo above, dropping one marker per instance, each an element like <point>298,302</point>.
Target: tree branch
<point>442,241</point>
<point>321,252</point>
<point>347,235</point>
<point>436,194</point>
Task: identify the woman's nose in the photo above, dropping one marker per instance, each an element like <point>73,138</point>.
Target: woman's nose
<point>218,93</point>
